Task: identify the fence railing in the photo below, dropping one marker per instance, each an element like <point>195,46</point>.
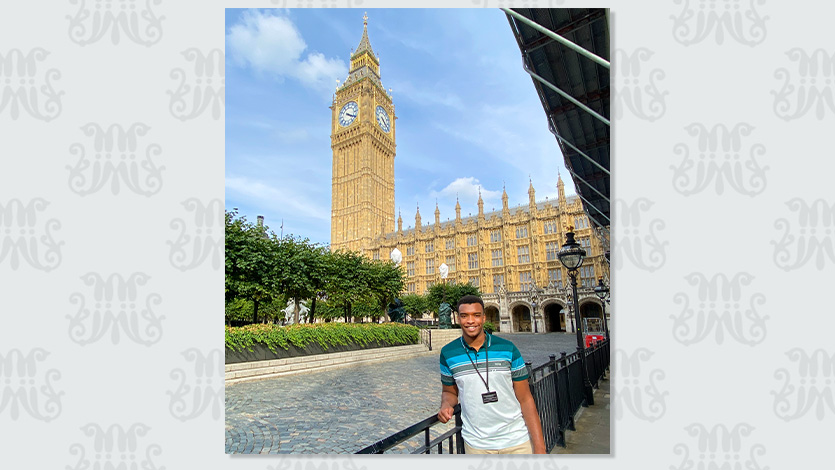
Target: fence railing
<point>557,388</point>
<point>455,444</point>
<point>426,337</point>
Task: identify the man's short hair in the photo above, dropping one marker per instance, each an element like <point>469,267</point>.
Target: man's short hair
<point>469,299</point>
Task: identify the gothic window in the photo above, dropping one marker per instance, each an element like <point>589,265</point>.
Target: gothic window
<point>497,258</point>
<point>410,268</point>
<point>450,261</point>
<point>450,244</point>
<point>430,246</point>
<point>498,281</point>
<point>523,254</point>
<point>410,250</point>
<point>525,281</point>
<point>551,250</point>
<point>474,281</point>
<point>522,232</point>
<point>430,266</point>
<point>472,261</point>
<point>472,240</point>
<point>495,236</point>
<point>549,227</point>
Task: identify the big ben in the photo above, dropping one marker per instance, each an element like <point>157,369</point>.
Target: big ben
<point>363,144</point>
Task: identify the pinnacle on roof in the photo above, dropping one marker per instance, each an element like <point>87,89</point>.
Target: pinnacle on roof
<point>365,45</point>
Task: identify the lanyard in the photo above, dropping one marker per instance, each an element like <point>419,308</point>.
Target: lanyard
<point>486,363</point>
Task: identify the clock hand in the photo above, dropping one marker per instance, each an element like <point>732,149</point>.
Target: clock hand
<point>351,115</point>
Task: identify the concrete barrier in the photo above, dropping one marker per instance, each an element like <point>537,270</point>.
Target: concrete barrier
<point>259,370</point>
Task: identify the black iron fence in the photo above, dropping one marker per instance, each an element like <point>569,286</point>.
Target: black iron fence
<point>426,337</point>
<point>557,388</point>
<point>452,437</point>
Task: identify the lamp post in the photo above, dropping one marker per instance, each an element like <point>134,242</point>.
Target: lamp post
<point>571,256</point>
<point>602,291</point>
<point>533,295</point>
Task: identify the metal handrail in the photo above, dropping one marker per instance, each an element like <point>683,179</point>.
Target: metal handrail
<point>383,445</point>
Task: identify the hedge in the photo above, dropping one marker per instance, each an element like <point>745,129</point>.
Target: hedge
<point>324,334</point>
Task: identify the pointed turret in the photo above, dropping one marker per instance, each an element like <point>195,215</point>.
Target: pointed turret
<point>480,204</point>
<point>457,210</point>
<point>504,199</point>
<point>560,190</point>
<point>364,63</point>
<point>437,215</point>
<point>417,218</point>
<point>531,194</point>
<point>365,44</point>
<point>399,222</point>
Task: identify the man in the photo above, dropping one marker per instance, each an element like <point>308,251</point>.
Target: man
<point>488,376</point>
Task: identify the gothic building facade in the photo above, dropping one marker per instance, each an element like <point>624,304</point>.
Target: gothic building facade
<point>509,254</point>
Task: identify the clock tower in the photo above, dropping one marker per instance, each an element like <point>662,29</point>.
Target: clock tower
<point>362,140</point>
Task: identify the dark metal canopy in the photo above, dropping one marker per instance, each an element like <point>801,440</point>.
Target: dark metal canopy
<point>585,79</point>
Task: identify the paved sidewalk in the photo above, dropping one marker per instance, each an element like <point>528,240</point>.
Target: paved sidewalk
<point>593,426</point>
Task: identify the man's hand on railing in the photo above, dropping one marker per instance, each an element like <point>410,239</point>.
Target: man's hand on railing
<point>446,413</point>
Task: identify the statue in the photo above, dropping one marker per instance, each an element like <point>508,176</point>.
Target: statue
<point>445,316</point>
<point>396,311</point>
<point>289,318</point>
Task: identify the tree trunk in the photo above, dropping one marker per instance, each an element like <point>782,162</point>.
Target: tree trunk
<point>312,313</point>
<point>255,311</point>
<point>296,310</point>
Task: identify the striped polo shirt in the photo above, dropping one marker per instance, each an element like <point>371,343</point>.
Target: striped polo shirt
<point>487,425</point>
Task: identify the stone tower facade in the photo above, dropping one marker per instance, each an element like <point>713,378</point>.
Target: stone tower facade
<point>363,144</point>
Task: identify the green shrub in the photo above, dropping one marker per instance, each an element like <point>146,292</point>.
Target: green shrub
<point>323,334</point>
<point>489,327</point>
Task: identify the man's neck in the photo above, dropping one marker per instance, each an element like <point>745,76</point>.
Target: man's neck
<point>476,342</point>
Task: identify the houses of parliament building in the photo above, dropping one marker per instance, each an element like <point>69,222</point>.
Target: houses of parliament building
<point>509,254</point>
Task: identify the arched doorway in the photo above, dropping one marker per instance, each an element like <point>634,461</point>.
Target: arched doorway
<point>521,319</point>
<point>592,317</point>
<point>554,319</point>
<point>491,314</point>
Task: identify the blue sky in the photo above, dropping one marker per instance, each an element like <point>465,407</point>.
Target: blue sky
<point>467,114</point>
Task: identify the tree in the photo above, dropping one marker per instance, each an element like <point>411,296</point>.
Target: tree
<point>249,262</point>
<point>385,281</point>
<point>415,304</point>
<point>449,293</point>
<point>299,268</point>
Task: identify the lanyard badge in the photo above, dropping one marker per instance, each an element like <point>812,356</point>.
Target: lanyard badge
<point>489,397</point>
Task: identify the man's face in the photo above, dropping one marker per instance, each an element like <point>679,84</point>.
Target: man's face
<point>471,317</point>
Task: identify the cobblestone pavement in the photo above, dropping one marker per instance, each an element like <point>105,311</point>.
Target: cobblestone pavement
<point>343,410</point>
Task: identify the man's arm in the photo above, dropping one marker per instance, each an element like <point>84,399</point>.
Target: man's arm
<point>523,394</point>
<point>449,398</point>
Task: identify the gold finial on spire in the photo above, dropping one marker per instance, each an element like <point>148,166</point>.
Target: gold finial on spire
<point>365,19</point>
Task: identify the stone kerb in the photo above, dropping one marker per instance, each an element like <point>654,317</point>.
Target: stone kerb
<point>258,370</point>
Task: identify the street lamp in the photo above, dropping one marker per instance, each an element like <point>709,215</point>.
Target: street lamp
<point>533,295</point>
<point>571,256</point>
<point>602,291</point>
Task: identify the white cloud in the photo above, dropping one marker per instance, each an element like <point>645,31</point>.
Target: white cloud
<point>270,43</point>
<point>465,189</point>
<point>293,201</point>
<point>427,96</point>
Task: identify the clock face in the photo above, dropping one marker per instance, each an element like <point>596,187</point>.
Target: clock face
<point>383,119</point>
<point>348,113</point>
